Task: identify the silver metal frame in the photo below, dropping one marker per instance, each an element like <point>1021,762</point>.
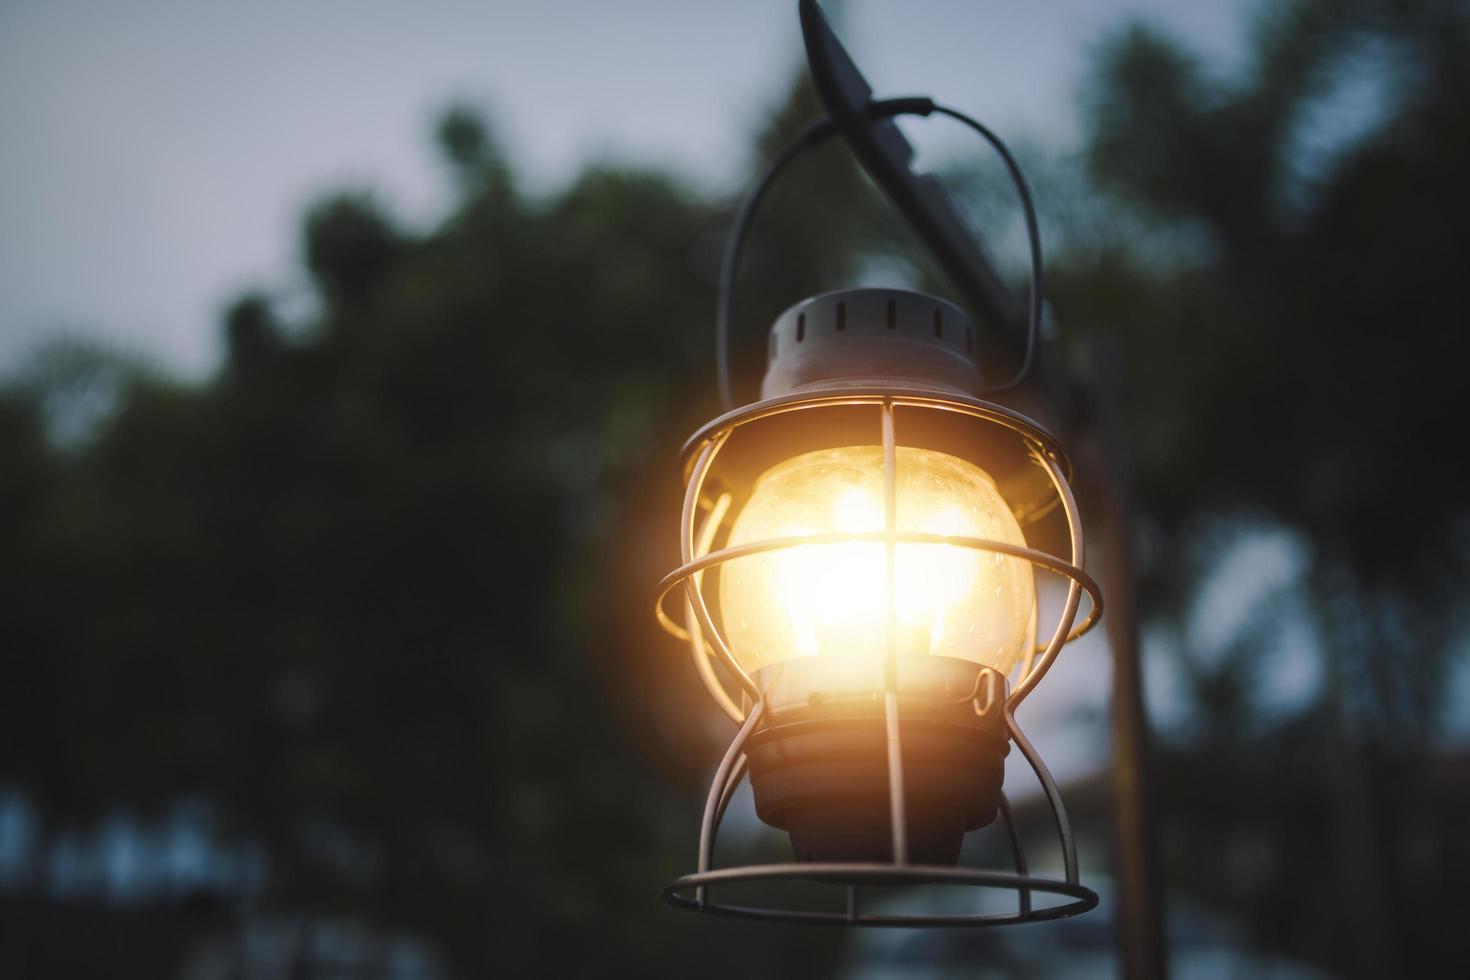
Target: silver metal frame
<point>708,643</point>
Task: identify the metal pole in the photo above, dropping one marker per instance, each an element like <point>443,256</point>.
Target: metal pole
<point>1142,952</point>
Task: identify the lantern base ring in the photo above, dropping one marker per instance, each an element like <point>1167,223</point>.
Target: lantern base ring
<point>865,875</point>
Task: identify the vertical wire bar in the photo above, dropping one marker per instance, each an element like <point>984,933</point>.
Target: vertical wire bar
<point>890,527</point>
<point>702,657</point>
<point>1018,854</point>
<point>1029,659</point>
<point>897,815</point>
<point>1053,795</point>
<point>731,785</point>
<point>852,903</point>
<point>1027,684</point>
<point>703,540</point>
<point>692,592</point>
<point>709,827</point>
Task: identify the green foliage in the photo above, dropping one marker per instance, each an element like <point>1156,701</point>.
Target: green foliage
<point>350,245</point>
<point>358,593</point>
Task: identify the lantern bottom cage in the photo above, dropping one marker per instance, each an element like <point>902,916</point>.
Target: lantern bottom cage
<point>695,892</point>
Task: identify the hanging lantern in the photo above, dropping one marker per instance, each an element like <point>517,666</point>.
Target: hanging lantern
<point>855,567</point>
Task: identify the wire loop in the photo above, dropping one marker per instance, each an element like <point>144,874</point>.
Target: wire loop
<point>814,134</point>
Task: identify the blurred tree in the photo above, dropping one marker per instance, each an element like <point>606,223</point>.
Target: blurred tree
<point>353,595</point>
<point>350,247</point>
<point>1302,372</point>
<point>252,336</point>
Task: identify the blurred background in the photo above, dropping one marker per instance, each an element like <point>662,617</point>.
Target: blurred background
<point>345,354</point>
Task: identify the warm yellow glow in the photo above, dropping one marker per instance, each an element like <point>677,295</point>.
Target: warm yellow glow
<point>832,599</point>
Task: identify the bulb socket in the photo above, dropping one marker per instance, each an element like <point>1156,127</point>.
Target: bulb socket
<point>819,764</point>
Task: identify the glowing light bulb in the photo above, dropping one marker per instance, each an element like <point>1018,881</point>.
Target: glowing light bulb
<point>832,599</point>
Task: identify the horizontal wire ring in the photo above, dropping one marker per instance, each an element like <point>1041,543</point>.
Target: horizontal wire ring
<point>1083,898</point>
<point>1040,558</point>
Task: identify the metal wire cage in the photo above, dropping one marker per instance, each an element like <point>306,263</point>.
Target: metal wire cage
<point>718,460</point>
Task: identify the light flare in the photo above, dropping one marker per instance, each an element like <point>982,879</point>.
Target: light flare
<point>832,599</point>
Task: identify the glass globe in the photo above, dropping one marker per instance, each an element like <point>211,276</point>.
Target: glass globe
<point>831,600</point>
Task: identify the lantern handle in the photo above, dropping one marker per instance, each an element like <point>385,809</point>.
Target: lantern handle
<point>814,134</point>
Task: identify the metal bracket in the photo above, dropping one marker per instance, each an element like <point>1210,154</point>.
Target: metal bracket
<point>886,156</point>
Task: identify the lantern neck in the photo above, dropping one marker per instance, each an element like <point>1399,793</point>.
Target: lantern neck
<point>865,338</point>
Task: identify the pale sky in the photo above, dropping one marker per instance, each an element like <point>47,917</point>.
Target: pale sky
<point>155,156</point>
